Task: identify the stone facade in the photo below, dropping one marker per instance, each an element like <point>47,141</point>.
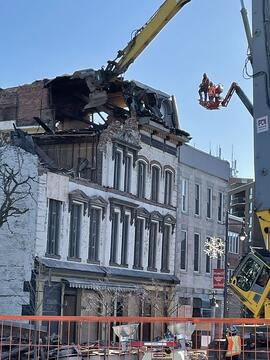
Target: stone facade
<point>18,235</point>
<point>202,178</point>
<point>103,228</point>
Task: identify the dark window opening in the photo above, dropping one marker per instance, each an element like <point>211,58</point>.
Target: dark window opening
<point>196,251</point>
<point>197,199</point>
<point>183,255</point>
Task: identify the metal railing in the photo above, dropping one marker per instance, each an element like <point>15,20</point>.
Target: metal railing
<point>134,338</point>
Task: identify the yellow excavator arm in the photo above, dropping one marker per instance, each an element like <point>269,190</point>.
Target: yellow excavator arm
<point>144,36</point>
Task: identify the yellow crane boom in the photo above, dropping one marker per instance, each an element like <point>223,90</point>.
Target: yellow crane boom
<point>144,36</point>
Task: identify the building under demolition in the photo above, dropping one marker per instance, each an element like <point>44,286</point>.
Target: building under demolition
<point>99,234</point>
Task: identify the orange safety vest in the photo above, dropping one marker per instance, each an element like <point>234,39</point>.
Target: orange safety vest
<point>234,346</point>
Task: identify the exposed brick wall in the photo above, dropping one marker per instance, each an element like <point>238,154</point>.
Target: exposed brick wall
<point>22,103</point>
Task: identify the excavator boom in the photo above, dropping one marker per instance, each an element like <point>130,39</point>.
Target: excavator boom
<point>144,36</point>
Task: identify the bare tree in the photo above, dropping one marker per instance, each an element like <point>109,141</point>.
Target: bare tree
<point>15,184</point>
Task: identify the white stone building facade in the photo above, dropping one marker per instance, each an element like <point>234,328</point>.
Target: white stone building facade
<point>102,228</point>
<point>203,189</point>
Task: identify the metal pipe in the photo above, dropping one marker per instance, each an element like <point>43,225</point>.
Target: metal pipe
<point>246,26</point>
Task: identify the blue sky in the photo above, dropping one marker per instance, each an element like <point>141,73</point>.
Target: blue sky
<point>43,39</point>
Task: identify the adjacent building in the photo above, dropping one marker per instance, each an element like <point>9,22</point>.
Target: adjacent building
<point>203,188</point>
<point>242,198</point>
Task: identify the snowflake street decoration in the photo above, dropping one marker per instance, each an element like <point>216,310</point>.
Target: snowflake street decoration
<point>214,247</point>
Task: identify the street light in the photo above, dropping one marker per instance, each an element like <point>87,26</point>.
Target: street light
<point>213,300</point>
<point>214,305</point>
<point>243,234</point>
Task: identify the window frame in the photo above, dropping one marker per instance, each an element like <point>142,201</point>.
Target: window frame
<point>184,195</point>
<point>75,243</point>
<point>196,252</point>
<point>209,203</point>
<point>117,169</point>
<point>197,200</point>
<point>128,173</point>
<point>115,232</point>
<point>181,250</point>
<point>152,246</point>
<point>155,183</point>
<point>220,215</point>
<point>168,187</point>
<point>141,185</point>
<point>53,231</point>
<point>233,242</point>
<point>165,249</point>
<point>95,242</point>
<point>138,243</point>
<point>125,239</point>
<point>208,260</point>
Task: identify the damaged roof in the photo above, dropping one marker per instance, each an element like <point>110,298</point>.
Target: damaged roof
<point>73,101</point>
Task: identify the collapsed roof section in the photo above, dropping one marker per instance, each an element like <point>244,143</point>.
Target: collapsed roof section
<point>77,101</point>
<point>78,115</point>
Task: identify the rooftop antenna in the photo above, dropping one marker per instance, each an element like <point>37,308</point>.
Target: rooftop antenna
<point>219,152</point>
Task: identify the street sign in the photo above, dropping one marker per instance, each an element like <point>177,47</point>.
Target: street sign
<point>218,278</point>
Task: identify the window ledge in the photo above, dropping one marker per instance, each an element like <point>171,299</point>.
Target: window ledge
<point>52,256</point>
<point>151,269</point>
<point>165,271</point>
<point>97,262</point>
<point>111,263</point>
<point>137,267</point>
<point>76,259</point>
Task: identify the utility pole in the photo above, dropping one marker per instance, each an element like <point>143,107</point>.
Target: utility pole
<point>226,263</point>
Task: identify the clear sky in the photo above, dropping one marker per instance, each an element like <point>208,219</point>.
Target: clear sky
<point>45,38</point>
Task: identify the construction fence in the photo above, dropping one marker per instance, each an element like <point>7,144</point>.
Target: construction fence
<point>129,338</point>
